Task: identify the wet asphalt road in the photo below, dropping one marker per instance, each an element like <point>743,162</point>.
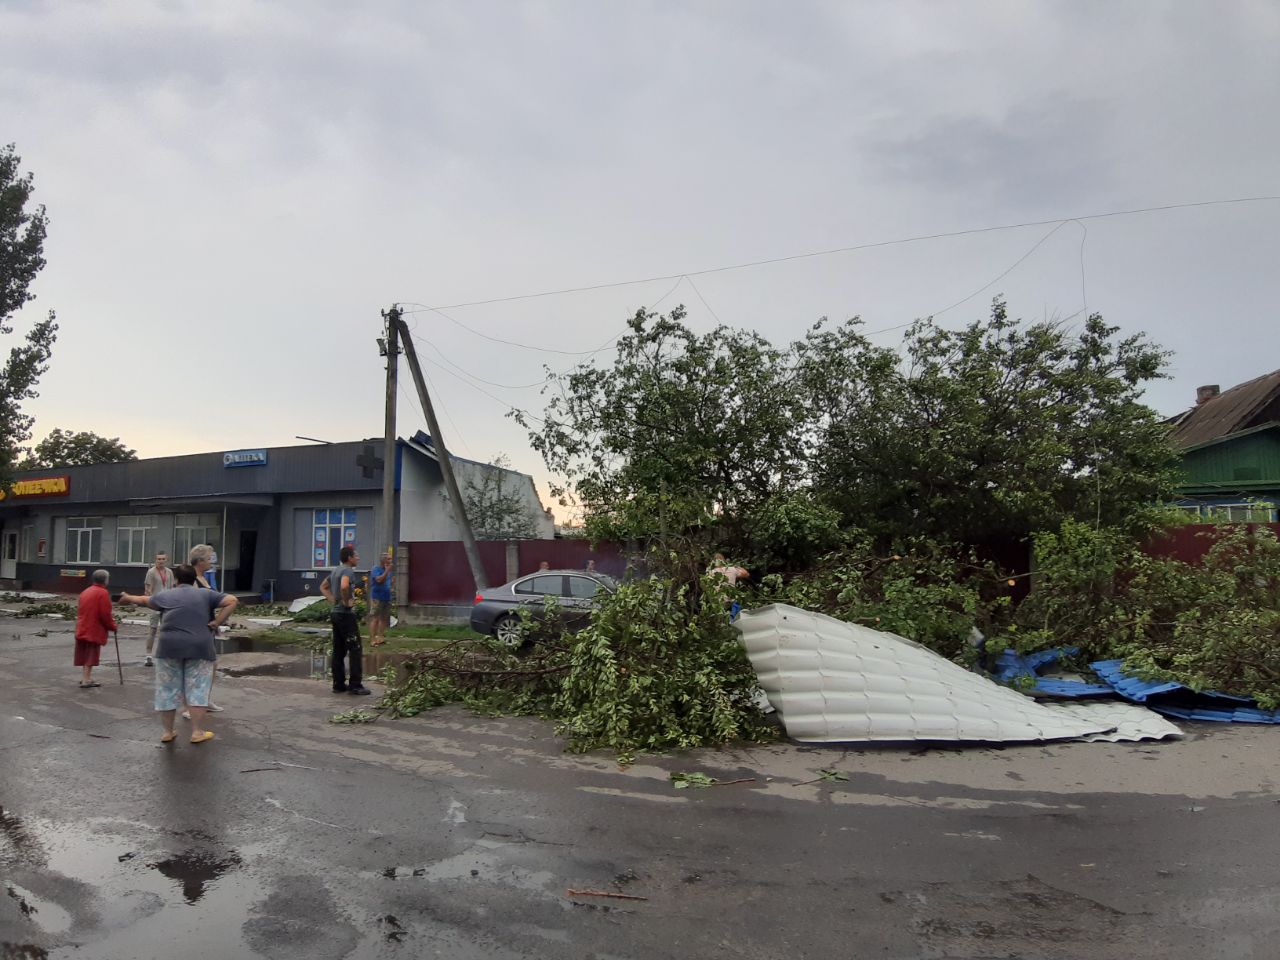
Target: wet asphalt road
<point>455,836</point>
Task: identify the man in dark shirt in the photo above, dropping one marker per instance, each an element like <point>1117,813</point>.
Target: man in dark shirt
<point>339,588</point>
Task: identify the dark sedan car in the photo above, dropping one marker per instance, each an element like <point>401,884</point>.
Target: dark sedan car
<point>497,610</point>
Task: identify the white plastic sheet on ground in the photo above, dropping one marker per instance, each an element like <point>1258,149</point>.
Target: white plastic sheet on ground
<point>832,681</point>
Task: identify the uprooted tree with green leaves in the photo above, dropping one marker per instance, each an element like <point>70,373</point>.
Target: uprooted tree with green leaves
<point>872,482</point>
<point>659,668</point>
<point>22,234</point>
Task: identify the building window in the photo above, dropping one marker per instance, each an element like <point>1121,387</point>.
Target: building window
<point>28,547</point>
<point>84,539</point>
<point>135,540</point>
<point>331,530</point>
<point>191,530</point>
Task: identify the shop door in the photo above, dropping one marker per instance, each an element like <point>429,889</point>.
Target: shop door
<point>9,556</point>
<point>244,572</point>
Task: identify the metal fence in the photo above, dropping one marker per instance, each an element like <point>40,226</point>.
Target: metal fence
<point>439,572</point>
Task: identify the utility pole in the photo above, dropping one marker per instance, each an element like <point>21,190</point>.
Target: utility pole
<point>442,454</point>
<point>390,349</point>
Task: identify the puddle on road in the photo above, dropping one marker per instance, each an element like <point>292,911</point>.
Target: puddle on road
<point>193,869</point>
<point>115,884</point>
<point>487,860</point>
<point>290,661</point>
<point>44,913</point>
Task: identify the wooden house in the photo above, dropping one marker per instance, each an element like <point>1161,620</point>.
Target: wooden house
<point>1230,447</point>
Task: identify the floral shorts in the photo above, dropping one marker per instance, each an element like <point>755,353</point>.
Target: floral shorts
<point>182,680</point>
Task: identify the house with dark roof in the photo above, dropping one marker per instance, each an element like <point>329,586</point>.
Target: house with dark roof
<point>1230,447</point>
<point>277,517</point>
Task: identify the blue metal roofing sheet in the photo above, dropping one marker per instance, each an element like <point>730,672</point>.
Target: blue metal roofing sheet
<point>1177,700</point>
<point>1011,665</point>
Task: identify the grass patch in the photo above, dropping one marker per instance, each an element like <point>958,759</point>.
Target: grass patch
<point>432,631</point>
<point>407,639</point>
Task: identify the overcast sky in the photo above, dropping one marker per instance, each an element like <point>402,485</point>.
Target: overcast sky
<point>235,189</point>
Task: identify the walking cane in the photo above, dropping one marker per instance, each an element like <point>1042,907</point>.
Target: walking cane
<point>116,634</point>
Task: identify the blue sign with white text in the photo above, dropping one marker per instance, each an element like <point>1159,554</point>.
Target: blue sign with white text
<point>245,458</point>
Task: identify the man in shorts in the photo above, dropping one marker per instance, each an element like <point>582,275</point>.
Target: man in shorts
<point>380,600</point>
<point>158,578</point>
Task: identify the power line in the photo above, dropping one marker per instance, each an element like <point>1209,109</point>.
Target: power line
<point>1017,263</point>
<point>509,343</point>
<point>477,378</point>
<point>704,301</point>
<point>498,400</point>
<point>448,416</point>
<point>849,249</point>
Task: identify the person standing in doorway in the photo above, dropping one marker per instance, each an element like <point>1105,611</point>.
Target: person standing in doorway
<point>339,588</point>
<point>158,578</point>
<point>201,560</point>
<point>380,600</point>
<point>93,623</point>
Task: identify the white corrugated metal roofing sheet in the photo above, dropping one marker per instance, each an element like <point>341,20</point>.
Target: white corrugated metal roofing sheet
<point>1131,722</point>
<point>832,681</point>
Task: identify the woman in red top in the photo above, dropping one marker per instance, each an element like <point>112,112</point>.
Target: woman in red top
<point>93,622</point>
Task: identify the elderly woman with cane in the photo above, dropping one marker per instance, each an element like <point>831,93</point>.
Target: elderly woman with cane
<point>184,648</point>
<point>93,622</point>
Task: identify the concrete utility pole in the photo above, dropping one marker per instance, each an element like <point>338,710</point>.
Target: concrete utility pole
<point>391,350</point>
<point>446,465</point>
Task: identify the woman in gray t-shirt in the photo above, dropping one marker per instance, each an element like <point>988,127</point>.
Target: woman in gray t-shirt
<point>184,648</point>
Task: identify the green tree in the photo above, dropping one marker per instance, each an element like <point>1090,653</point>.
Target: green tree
<point>987,433</point>
<point>496,508</point>
<point>62,448</point>
<point>22,233</point>
<point>684,438</point>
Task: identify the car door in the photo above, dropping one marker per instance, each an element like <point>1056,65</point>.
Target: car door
<point>533,591</point>
<point>580,598</point>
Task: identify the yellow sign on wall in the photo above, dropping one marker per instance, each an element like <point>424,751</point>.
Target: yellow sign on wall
<point>38,487</point>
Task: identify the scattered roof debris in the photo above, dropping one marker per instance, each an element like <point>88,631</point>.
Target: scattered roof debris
<point>1176,700</point>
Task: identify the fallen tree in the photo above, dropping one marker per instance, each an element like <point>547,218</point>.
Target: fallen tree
<point>659,668</point>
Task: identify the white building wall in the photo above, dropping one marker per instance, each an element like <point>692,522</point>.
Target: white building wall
<point>425,513</point>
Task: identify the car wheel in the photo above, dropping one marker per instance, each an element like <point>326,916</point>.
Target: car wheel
<point>507,630</point>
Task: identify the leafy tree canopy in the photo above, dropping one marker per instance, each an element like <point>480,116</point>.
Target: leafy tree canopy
<point>685,433</point>
<point>63,448</point>
<point>22,233</point>
<point>987,433</point>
